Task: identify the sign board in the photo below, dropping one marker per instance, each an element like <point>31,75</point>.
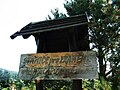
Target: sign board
<point>63,65</point>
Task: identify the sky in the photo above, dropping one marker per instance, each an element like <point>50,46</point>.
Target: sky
<point>15,14</point>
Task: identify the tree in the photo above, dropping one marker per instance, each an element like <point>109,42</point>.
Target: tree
<point>56,15</point>
<point>104,33</point>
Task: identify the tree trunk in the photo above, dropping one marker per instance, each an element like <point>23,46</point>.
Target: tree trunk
<point>101,64</point>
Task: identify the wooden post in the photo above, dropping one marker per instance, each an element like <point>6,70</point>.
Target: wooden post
<point>39,84</point>
<point>40,42</point>
<point>77,84</point>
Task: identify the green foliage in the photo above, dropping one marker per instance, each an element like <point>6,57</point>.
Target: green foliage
<point>104,33</point>
<point>57,85</point>
<point>6,77</point>
<point>56,14</point>
<point>76,7</point>
<point>4,74</point>
<point>101,84</point>
<point>96,84</point>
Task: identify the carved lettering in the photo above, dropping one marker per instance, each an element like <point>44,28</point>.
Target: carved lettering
<point>58,65</point>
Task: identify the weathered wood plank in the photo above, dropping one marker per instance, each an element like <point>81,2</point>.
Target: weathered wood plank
<point>65,65</point>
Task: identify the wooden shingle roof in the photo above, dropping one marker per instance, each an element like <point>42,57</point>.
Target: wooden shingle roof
<point>51,25</point>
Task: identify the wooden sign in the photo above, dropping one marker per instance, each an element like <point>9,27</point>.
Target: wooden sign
<point>64,65</point>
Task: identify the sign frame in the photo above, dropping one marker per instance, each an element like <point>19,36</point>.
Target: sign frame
<point>59,66</point>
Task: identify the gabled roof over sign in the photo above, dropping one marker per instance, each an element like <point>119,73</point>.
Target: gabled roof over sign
<point>51,25</point>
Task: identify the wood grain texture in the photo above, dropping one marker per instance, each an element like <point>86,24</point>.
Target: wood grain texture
<point>63,65</point>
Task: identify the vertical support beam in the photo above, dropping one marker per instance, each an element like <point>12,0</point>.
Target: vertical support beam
<point>39,84</point>
<point>40,45</point>
<point>77,84</point>
<point>72,41</point>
